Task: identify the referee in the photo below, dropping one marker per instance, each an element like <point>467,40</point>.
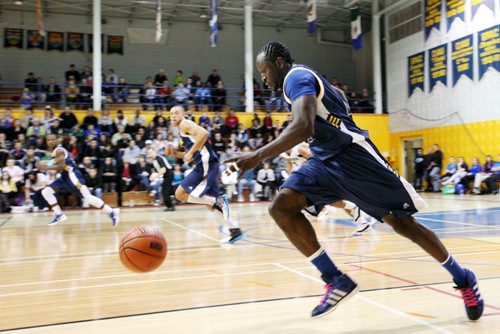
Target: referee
<point>162,167</point>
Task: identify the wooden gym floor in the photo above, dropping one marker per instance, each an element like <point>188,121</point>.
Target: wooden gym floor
<point>68,278</point>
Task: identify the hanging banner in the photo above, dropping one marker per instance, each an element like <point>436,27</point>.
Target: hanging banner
<point>416,73</point>
<point>74,41</point>
<point>455,9</point>
<point>35,40</point>
<point>432,16</point>
<point>13,38</point>
<point>475,4</point>
<point>55,41</point>
<point>115,44</point>
<point>437,66</point>
<point>90,42</point>
<point>489,49</point>
<point>462,58</point>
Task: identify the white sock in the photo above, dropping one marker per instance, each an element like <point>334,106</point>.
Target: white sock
<point>207,200</point>
<point>232,223</point>
<point>106,208</point>
<point>349,205</point>
<point>57,209</point>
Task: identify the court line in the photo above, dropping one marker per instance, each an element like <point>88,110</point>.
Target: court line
<point>373,302</point>
<point>5,221</point>
<point>458,223</point>
<point>191,230</point>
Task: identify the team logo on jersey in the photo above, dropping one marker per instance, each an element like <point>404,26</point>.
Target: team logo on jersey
<point>406,206</point>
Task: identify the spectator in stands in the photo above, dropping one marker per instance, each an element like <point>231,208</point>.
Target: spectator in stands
<point>5,147</point>
<point>483,175</point>
<point>181,94</point>
<point>18,152</point>
<point>143,173</point>
<point>247,182</point>
<point>267,124</point>
<point>159,143</point>
<point>92,151</point>
<point>160,77</point>
<point>192,89</point>
<point>75,148</point>
<point>118,135</point>
<point>178,177</point>
<point>9,191</point>
<point>108,172</point>
<point>266,178</point>
<point>219,96</point>
<point>6,121</point>
<point>256,142</point>
<point>491,181</point>
<point>202,96</point>
<point>52,91</point>
<point>232,121</point>
<point>30,82</point>
<point>195,77</point>
<point>121,119</point>
<point>273,101</point>
<point>27,99</point>
<point>137,120</point>
<point>214,78</point>
<point>258,96</point>
<point>35,182</point>
<point>149,96</point>
<point>366,101</point>
<point>419,169</point>
<point>105,122</point>
<point>109,88</point>
<point>93,181</point>
<point>86,73</point>
<point>434,169</point>
<point>68,119</point>
<point>218,144</point>
<point>164,97</point>
<point>30,160</point>
<point>90,119</point>
<point>179,78</point>
<point>204,119</point>
<point>55,127</point>
<point>36,129</point>
<point>474,169</point>
<point>462,169</point>
<point>451,169</point>
<point>122,91</point>
<point>15,172</point>
<point>72,74</point>
<point>132,153</point>
<point>72,93</point>
<point>242,137</point>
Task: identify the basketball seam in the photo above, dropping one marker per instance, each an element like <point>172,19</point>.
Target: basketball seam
<point>133,263</point>
<point>142,252</point>
<point>161,237</point>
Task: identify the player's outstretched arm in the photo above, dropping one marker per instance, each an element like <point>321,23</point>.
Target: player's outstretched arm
<point>301,127</point>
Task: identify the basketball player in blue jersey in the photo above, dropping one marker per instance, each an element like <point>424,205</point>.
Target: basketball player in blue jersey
<point>345,165</point>
<point>72,180</point>
<point>201,186</point>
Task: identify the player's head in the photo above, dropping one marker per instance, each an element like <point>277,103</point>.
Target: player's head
<point>273,62</point>
<point>177,115</point>
<point>51,141</point>
<point>151,153</point>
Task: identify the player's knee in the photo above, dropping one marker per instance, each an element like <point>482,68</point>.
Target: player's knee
<point>47,191</point>
<point>405,226</point>
<point>181,194</point>
<point>283,207</point>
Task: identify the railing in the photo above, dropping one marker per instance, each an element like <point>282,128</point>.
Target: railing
<point>80,97</point>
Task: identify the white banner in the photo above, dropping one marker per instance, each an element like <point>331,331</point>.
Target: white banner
<point>145,36</point>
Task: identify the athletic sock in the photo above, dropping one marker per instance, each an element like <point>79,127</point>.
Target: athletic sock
<point>324,264</point>
<point>57,209</point>
<point>232,224</point>
<point>456,271</point>
<point>106,208</point>
<point>207,200</point>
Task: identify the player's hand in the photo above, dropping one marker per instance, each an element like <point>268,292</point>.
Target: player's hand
<point>188,157</point>
<point>243,163</point>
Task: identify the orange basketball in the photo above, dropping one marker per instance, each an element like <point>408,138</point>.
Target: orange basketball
<point>143,249</point>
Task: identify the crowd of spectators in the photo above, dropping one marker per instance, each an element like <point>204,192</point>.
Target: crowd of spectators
<point>157,92</point>
<point>112,152</point>
<point>458,176</point>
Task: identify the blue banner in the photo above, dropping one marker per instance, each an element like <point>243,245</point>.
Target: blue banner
<point>475,4</point>
<point>437,66</point>
<point>489,49</point>
<point>462,58</point>
<point>432,16</point>
<point>455,9</point>
<point>416,73</point>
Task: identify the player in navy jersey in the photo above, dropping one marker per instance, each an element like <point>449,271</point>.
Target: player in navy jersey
<point>345,165</point>
<point>201,186</point>
<point>72,180</point>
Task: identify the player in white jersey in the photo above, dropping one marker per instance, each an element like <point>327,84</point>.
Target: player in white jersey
<point>72,180</point>
<point>295,158</point>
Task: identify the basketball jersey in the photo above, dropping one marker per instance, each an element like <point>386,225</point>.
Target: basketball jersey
<point>203,156</point>
<point>68,160</point>
<point>334,128</point>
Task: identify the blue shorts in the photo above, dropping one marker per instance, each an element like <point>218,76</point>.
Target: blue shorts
<point>358,174</point>
<point>68,181</point>
<point>202,180</point>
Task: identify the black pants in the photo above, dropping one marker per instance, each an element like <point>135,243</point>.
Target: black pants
<point>167,188</point>
<point>491,183</point>
<point>418,179</point>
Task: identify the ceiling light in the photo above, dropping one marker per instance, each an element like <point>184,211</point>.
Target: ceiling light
<point>18,2</point>
<point>204,14</point>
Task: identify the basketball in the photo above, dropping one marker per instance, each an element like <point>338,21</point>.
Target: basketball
<point>143,249</point>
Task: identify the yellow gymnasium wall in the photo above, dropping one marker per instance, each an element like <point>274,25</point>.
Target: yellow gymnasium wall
<point>377,125</point>
<point>467,140</point>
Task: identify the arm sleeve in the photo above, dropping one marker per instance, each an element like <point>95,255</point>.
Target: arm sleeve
<point>299,83</point>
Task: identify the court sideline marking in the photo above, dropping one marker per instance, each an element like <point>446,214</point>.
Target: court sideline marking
<point>373,302</point>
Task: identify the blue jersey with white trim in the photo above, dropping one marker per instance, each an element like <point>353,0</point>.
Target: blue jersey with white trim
<point>206,154</point>
<point>334,128</point>
<point>68,160</point>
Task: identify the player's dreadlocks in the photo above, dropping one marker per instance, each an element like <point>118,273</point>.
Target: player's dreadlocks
<point>273,50</point>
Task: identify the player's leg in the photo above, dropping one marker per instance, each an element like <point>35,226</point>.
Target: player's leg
<point>48,194</point>
<point>167,189</point>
